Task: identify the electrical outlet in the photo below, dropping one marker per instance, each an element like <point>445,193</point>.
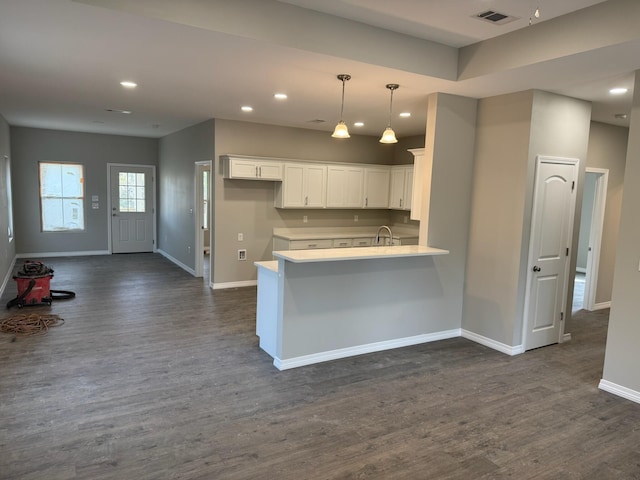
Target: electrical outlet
<point>355,218</point>
<point>189,249</point>
<point>305,219</point>
<point>240,237</point>
<point>242,254</point>
<point>406,219</point>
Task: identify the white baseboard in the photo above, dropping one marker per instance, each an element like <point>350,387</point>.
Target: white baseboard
<point>619,390</point>
<point>566,337</point>
<point>362,349</point>
<point>601,306</point>
<point>83,253</point>
<point>489,342</point>
<point>177,262</point>
<point>8,276</point>
<point>244,283</point>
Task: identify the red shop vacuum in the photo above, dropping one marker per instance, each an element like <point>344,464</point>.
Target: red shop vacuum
<point>33,286</point>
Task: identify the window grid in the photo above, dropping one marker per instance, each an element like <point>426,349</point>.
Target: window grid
<point>131,197</point>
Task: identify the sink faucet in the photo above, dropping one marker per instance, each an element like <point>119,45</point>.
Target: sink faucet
<point>384,227</point>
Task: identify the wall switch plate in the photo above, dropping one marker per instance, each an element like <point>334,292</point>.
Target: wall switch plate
<point>355,218</point>
<point>242,254</point>
<point>305,219</point>
<point>240,237</point>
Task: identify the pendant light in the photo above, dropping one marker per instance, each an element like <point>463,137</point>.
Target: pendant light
<point>389,136</point>
<point>341,130</point>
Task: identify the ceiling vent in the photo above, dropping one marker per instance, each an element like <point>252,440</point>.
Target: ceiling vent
<point>496,18</point>
<point>316,120</point>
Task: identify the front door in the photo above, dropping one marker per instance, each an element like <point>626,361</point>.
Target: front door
<point>551,232</point>
<point>132,208</point>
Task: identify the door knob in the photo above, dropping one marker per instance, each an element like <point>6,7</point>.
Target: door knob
<point>536,268</point>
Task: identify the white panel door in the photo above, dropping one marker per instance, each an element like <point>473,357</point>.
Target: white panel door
<point>551,229</point>
<point>132,211</point>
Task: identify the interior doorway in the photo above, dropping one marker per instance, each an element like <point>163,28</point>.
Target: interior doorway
<point>203,220</point>
<point>594,199</point>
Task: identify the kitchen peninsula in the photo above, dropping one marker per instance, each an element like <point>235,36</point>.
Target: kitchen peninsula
<point>319,305</point>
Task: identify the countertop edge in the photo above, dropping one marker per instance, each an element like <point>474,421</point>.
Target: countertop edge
<point>359,253</point>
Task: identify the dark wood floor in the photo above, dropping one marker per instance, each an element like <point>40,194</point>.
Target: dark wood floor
<point>154,376</point>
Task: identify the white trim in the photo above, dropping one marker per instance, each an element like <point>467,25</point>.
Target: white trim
<point>595,236</point>
<point>566,337</point>
<point>581,270</point>
<point>177,262</point>
<point>602,306</point>
<point>244,283</point>
<point>200,167</point>
<point>8,276</point>
<point>362,349</point>
<point>489,342</point>
<point>82,253</point>
<point>619,390</point>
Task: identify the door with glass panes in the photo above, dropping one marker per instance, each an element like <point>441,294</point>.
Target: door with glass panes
<point>132,208</point>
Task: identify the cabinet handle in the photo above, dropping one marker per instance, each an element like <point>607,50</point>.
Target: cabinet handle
<point>312,245</point>
<point>306,200</point>
<point>366,202</point>
<point>260,171</point>
<point>400,203</point>
<point>257,171</point>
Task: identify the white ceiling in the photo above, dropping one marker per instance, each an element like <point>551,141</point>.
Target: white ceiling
<point>61,62</point>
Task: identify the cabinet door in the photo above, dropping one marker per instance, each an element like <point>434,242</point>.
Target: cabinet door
<point>344,187</point>
<point>315,182</point>
<point>397,190</point>
<point>408,188</point>
<point>376,188</point>
<point>270,171</point>
<point>293,186</point>
<point>242,169</point>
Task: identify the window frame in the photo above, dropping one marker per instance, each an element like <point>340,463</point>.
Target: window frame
<point>82,198</point>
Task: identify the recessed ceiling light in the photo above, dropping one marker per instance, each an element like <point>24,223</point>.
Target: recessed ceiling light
<point>405,114</point>
<point>358,124</point>
<point>128,84</point>
<point>280,96</point>
<point>247,108</point>
<point>618,91</point>
<point>621,116</point>
<point>115,110</point>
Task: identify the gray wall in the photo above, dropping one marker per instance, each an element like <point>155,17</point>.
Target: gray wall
<point>608,149</point>
<point>512,130</point>
<point>450,143</point>
<point>30,146</point>
<point>7,248</point>
<point>622,354</point>
<point>245,206</point>
<point>178,154</point>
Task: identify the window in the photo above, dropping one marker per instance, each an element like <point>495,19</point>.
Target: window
<point>62,196</point>
<point>131,193</point>
<point>7,182</point>
<point>205,198</point>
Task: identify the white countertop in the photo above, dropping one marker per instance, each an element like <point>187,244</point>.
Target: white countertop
<point>269,265</point>
<point>360,253</point>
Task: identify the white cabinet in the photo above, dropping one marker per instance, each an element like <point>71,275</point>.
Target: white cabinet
<point>345,186</point>
<point>421,193</point>
<point>303,186</point>
<point>401,187</point>
<point>249,168</point>
<point>376,187</point>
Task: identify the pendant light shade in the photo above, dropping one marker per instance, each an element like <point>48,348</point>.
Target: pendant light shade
<point>341,130</point>
<point>389,136</point>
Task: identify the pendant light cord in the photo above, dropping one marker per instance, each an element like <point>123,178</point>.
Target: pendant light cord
<point>342,104</point>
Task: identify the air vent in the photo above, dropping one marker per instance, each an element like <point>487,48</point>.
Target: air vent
<point>316,120</point>
<point>496,18</point>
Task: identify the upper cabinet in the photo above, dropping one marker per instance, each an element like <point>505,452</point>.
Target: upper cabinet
<point>345,186</point>
<point>251,168</point>
<point>401,187</point>
<point>303,186</point>
<point>376,187</point>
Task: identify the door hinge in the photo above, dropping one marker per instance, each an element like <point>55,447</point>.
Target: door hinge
<point>561,316</point>
<point>567,251</point>
<point>573,185</point>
